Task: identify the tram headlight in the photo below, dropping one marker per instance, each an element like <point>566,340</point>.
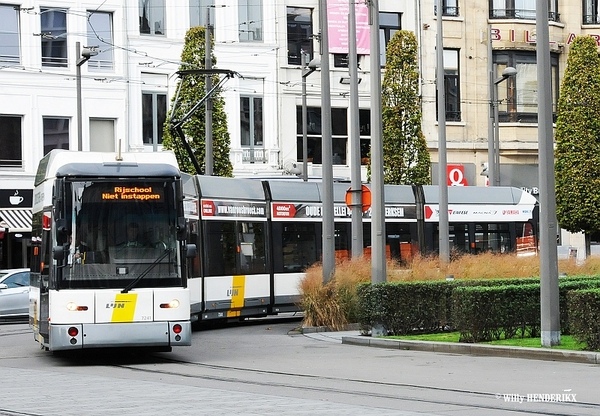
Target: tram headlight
<point>174,304</point>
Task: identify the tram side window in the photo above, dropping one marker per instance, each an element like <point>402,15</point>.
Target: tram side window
<point>221,248</point>
<point>235,248</point>
<point>342,240</point>
<point>459,237</point>
<point>252,250</point>
<point>399,239</point>
<point>299,246</point>
<point>492,237</point>
<point>40,252</point>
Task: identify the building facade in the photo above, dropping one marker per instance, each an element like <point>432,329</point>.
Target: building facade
<point>127,87</point>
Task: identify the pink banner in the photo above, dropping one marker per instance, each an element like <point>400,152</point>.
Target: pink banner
<point>337,17</point>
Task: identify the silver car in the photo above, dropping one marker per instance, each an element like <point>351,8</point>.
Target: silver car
<point>14,293</point>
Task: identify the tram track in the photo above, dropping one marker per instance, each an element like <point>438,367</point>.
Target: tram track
<point>6,412</point>
<point>369,389</point>
<point>364,390</point>
<point>6,331</point>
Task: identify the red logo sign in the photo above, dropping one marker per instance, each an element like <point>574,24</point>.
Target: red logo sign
<point>456,175</point>
<point>428,212</point>
<point>208,208</point>
<point>284,211</point>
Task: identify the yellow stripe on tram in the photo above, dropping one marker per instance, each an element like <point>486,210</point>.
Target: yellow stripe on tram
<point>237,295</point>
<point>124,307</point>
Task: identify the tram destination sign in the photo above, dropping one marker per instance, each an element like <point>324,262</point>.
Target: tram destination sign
<point>132,193</point>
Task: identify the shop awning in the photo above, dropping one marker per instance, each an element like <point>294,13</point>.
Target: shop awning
<point>15,220</point>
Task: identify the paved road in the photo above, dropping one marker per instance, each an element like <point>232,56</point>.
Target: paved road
<point>273,369</point>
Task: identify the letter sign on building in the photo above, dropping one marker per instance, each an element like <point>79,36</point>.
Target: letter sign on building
<point>456,175</point>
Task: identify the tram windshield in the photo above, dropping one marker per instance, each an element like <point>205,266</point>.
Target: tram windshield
<point>120,232</point>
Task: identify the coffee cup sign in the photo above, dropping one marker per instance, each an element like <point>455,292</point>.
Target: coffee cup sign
<point>15,199</point>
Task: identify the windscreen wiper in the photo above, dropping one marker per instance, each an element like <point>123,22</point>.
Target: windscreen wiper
<point>135,281</point>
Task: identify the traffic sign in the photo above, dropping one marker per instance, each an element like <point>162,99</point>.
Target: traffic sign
<point>366,198</point>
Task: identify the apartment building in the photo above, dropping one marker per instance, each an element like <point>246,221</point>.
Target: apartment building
<point>126,89</point>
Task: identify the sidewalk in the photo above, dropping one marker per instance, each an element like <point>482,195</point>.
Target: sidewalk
<point>353,337</point>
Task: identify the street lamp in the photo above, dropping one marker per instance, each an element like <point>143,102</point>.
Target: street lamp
<point>494,142</point>
<point>306,71</point>
<point>82,57</point>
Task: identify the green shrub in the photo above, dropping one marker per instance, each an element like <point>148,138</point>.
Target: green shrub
<point>402,308</point>
<point>565,286</point>
<point>486,313</point>
<point>584,316</point>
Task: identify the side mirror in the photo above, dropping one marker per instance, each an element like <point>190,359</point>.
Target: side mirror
<point>3,286</point>
<point>181,228</point>
<point>191,251</point>
<point>58,252</point>
<point>62,232</point>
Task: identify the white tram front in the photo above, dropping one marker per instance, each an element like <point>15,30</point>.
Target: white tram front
<point>108,266</point>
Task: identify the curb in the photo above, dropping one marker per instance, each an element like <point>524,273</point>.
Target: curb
<point>477,349</point>
<point>315,329</point>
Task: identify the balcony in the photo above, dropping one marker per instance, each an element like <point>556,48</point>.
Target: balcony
<point>254,155</point>
<point>524,14</point>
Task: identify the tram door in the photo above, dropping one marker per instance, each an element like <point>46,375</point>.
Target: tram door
<point>40,274</point>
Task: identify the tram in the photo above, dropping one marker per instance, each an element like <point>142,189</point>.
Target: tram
<point>108,256</point>
<point>257,237</point>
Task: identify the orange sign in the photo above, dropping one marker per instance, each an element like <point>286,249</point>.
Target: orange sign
<point>136,193</point>
<point>366,198</point>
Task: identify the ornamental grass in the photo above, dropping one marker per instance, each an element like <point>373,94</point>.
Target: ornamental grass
<point>333,305</point>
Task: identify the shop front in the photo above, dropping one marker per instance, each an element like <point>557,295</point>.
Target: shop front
<point>15,227</point>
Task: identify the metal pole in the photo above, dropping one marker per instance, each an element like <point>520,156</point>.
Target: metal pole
<point>496,149</point>
<point>378,261</point>
<point>491,124</point>
<point>304,116</point>
<point>549,296</point>
<point>208,140</point>
<point>357,230</point>
<point>79,109</point>
<point>444,228</point>
<point>327,152</point>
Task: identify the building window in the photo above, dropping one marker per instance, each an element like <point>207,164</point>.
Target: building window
<point>517,96</point>
<point>100,26</point>
<point>299,34</point>
<point>251,129</point>
<point>521,9</point>
<point>56,133</point>
<point>10,141</point>
<point>449,7</point>
<point>199,10</point>
<point>591,12</point>
<point>452,84</point>
<point>340,60</point>
<point>389,23</point>
<point>364,123</point>
<point>154,115</point>
<point>102,135</point>
<point>339,126</point>
<point>9,35</point>
<point>250,20</point>
<point>152,17</point>
<point>54,37</point>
